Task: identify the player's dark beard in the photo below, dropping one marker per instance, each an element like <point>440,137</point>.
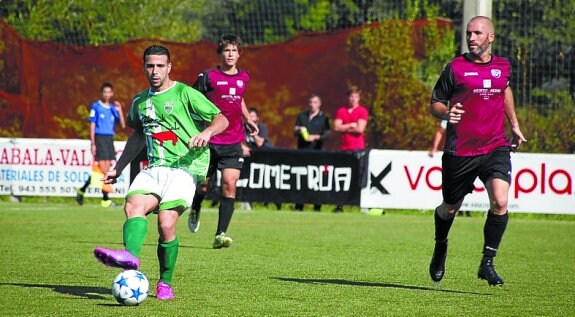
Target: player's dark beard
<point>479,51</point>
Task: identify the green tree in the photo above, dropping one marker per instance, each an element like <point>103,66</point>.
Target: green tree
<point>548,133</point>
<point>401,71</point>
<point>94,22</point>
<point>541,51</point>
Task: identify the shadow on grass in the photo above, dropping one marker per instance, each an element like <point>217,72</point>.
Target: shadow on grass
<point>372,284</point>
<point>145,244</point>
<point>85,292</point>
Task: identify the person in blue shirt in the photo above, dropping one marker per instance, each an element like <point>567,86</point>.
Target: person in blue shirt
<point>105,113</point>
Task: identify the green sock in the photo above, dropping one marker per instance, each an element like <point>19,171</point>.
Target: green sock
<point>167,255</point>
<point>135,230</point>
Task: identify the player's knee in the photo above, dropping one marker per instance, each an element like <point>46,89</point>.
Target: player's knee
<point>499,205</point>
<point>134,209</point>
<point>229,186</point>
<point>166,228</point>
<point>447,211</point>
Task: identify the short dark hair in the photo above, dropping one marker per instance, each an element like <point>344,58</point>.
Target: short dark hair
<point>353,90</point>
<point>228,39</point>
<point>252,109</point>
<point>156,50</point>
<point>106,85</point>
<point>314,95</point>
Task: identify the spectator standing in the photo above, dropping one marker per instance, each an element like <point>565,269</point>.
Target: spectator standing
<point>350,121</point>
<point>312,128</point>
<point>255,142</point>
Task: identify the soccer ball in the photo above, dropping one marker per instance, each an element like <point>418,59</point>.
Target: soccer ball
<point>130,287</point>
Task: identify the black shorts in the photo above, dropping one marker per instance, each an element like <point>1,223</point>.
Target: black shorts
<point>459,172</point>
<point>225,156</point>
<point>105,148</point>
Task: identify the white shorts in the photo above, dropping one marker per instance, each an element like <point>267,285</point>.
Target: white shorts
<point>174,187</point>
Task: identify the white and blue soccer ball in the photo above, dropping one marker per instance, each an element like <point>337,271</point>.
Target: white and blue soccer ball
<point>130,287</point>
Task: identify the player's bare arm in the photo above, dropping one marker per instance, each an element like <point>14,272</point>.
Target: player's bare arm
<point>93,138</point>
<point>253,127</point>
<point>135,144</point>
<point>118,107</point>
<point>218,125</point>
<point>509,105</point>
<point>339,126</point>
<point>441,111</point>
<point>358,127</point>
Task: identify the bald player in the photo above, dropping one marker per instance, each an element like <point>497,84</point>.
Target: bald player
<point>474,96</point>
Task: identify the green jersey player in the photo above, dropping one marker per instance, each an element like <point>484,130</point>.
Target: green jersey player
<point>169,120</point>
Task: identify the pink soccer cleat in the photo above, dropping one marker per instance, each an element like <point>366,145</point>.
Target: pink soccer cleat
<point>117,258</point>
<point>164,291</point>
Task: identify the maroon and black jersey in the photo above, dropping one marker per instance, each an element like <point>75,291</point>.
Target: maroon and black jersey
<point>226,92</point>
<point>480,88</point>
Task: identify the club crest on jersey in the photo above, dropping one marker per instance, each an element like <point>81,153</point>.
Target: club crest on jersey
<point>240,83</point>
<point>496,73</point>
<point>169,107</point>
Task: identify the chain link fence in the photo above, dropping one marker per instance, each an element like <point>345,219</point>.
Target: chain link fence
<point>534,35</point>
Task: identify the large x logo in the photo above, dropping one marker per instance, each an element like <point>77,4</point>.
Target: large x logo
<point>376,180</point>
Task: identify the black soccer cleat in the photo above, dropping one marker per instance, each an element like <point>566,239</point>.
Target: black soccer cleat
<point>487,272</point>
<point>79,196</point>
<point>437,265</point>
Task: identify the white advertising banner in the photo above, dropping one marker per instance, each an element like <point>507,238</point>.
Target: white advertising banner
<point>541,183</point>
<point>51,167</point>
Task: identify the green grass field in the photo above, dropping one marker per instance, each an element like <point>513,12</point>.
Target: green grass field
<point>285,263</point>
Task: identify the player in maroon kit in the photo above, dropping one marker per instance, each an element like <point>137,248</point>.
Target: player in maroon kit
<point>225,86</point>
<point>474,96</point>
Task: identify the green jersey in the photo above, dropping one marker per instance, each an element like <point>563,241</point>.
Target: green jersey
<point>169,119</point>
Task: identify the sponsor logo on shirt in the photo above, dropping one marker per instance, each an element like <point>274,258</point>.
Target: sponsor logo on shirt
<point>470,74</point>
<point>164,136</point>
<point>168,107</point>
<point>232,91</point>
<point>487,83</point>
<point>221,83</point>
<point>496,73</point>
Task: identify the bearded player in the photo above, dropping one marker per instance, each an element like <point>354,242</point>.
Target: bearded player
<point>474,96</point>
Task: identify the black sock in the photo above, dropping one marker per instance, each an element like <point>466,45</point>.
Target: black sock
<point>493,232</point>
<point>105,195</point>
<point>83,189</point>
<point>225,214</point>
<point>198,199</point>
<point>442,227</point>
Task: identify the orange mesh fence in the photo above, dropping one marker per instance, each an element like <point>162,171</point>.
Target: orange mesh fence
<point>43,80</point>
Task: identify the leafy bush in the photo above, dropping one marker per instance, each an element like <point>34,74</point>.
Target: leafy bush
<point>400,83</point>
